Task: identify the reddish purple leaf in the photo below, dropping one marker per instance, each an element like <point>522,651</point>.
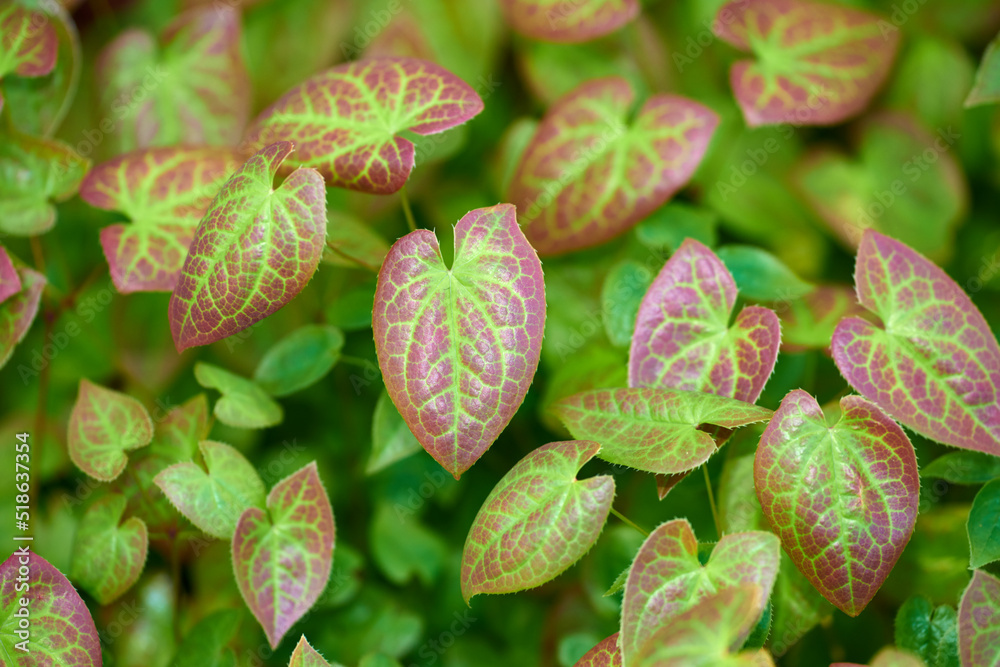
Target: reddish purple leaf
<point>19,311</point>
<point>587,176</point>
<point>253,252</point>
<point>61,630</point>
<point>103,425</point>
<point>28,42</point>
<point>305,655</point>
<point>164,192</point>
<point>979,621</point>
<point>605,654</point>
<point>817,63</point>
<point>10,282</point>
<point>935,366</point>
<point>562,21</point>
<point>344,121</point>
<point>458,347</point>
<point>282,557</point>
<point>842,498</point>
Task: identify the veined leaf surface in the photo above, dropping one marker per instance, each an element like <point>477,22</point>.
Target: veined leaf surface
<point>28,42</point>
<point>103,426</point>
<point>305,655</point>
<point>605,654</point>
<point>108,553</point>
<point>19,311</point>
<point>561,21</point>
<point>979,621</point>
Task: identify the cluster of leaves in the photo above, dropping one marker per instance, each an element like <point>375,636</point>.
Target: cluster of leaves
<point>701,260</point>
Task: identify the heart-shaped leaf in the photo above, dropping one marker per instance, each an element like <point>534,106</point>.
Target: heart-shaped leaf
<point>979,621</point>
<point>391,438</point>
<point>928,632</point>
<point>253,252</point>
<point>305,655</point>
<point>282,557</point>
<point>458,347</point>
<point>605,654</point>
<point>561,21</point>
<point>710,633</point>
<point>213,501</point>
<point>10,282</point>
<point>935,366</point>
<point>345,121</point>
<point>190,88</point>
<point>963,468</point>
<point>108,553</point>
<point>29,43</point>
<point>61,630</point>
<point>905,182</point>
<point>299,360</point>
<point>807,323</point>
<point>842,498</point>
<point>666,579</point>
<point>984,525</point>
<point>817,63</point>
<point>986,88</point>
<point>653,429</point>
<point>34,173</point>
<point>243,404</point>
<point>589,174</point>
<point>538,521</point>
<point>19,311</point>
<point>682,335</point>
<point>103,426</point>
<point>164,192</point>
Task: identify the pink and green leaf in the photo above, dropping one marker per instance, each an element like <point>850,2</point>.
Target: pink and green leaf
<point>282,557</point>
<point>979,621</point>
<point>653,429</point>
<point>28,42</point>
<point>458,347</point>
<point>252,253</point>
<point>986,88</point>
<point>345,121</point>
<point>667,579</point>
<point>164,192</point>
<point>589,174</point>
<point>34,173</point>
<point>214,500</point>
<point>108,553</point>
<point>19,311</point>
<point>817,63</point>
<point>191,88</point>
<point>808,323</point>
<point>843,499</point>
<point>10,282</point>
<point>243,403</point>
<point>537,522</point>
<point>683,339</point>
<point>62,631</point>
<point>935,363</point>
<point>103,425</point>
<point>561,21</point>
<point>305,655</point>
<point>605,654</point>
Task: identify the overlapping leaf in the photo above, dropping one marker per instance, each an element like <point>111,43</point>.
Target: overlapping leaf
<point>928,632</point>
<point>61,630</point>
<point>624,288</point>
<point>605,654</point>
<point>164,192</point>
<point>299,360</point>
<point>29,43</point>
<point>108,553</point>
<point>984,525</point>
<point>653,429</point>
<point>243,403</point>
<point>34,173</point>
<point>817,63</point>
<point>391,438</point>
<point>345,121</point>
<point>979,621</point>
<point>207,643</point>
<point>282,556</point>
<point>458,347</point>
<point>986,88</point>
<point>761,276</point>
<point>963,468</point>
<point>253,252</point>
<point>352,243</point>
<point>560,21</point>
<point>103,426</point>
<point>906,182</point>
<point>935,364</point>
<point>589,174</point>
<point>683,339</point>
<point>19,311</point>
<point>809,322</point>
<point>666,580</point>
<point>213,501</point>
<point>305,655</point>
<point>842,498</point>
<point>10,282</point>
<point>538,521</point>
<point>192,88</point>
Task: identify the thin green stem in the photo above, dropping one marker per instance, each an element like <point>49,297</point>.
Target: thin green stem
<point>711,502</point>
<point>355,361</point>
<point>407,210</point>
<point>351,258</point>
<point>629,521</point>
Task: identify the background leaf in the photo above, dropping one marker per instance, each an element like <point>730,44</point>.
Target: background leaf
<point>19,311</point>
<point>557,21</point>
<point>299,360</point>
<point>391,438</point>
<point>108,553</point>
<point>984,525</point>
<point>243,404</point>
<point>103,426</point>
<point>986,88</point>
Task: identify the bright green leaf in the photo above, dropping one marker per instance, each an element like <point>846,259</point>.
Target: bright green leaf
<point>761,276</point>
<point>299,360</point>
<point>243,403</point>
<point>391,438</point>
<point>984,525</point>
<point>108,553</point>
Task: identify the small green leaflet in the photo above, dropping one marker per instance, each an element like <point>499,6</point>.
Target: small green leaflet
<point>963,468</point>
<point>653,429</point>
<point>979,621</point>
<point>931,634</point>
<point>986,88</point>
<point>19,311</point>
<point>108,553</point>
<point>253,252</point>
<point>391,438</point>
<point>984,525</point>
<point>402,547</point>
<point>243,404</point>
<point>207,643</point>
<point>305,655</point>
<point>761,276</point>
<point>299,360</point>
<point>61,632</point>
<point>538,521</point>
<point>213,501</point>
<point>282,556</point>
<point>103,426</point>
